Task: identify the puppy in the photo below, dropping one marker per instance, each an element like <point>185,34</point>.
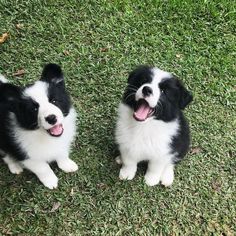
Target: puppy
<point>151,126</point>
<point>38,124</point>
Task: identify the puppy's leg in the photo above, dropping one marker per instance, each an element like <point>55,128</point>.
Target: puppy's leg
<point>14,167</point>
<point>128,169</point>
<point>167,176</point>
<point>66,164</point>
<point>154,171</point>
<point>43,172</point>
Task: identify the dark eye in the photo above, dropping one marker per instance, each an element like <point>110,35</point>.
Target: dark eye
<point>53,101</point>
<point>35,107</point>
<point>162,89</point>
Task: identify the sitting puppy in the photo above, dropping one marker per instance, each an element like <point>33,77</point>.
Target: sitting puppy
<point>151,126</point>
<point>37,126</point>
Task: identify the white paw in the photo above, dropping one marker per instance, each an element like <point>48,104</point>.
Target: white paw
<point>151,179</point>
<point>127,173</point>
<point>167,178</point>
<point>15,168</point>
<point>68,165</point>
<point>118,160</point>
<point>50,181</point>
<point>3,79</point>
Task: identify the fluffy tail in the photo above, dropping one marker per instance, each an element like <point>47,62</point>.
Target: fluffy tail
<point>3,79</point>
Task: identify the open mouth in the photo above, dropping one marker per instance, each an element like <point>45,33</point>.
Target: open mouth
<point>56,130</point>
<point>142,110</point>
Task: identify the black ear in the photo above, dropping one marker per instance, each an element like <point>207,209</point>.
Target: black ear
<point>9,92</point>
<point>141,72</point>
<point>52,73</point>
<point>185,96</point>
<point>133,74</point>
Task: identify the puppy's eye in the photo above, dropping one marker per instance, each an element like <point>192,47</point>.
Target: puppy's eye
<point>162,91</point>
<point>53,101</point>
<point>35,107</point>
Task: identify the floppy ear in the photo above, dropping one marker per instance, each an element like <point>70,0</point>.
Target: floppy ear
<point>9,92</point>
<point>185,96</point>
<point>132,75</point>
<point>52,73</point>
<point>142,72</point>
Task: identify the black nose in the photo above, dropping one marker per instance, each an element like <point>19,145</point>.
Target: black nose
<point>51,119</point>
<point>147,91</point>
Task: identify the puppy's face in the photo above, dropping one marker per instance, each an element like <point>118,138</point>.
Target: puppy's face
<point>52,100</point>
<point>153,93</point>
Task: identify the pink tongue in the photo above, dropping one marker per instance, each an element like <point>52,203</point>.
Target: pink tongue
<point>56,130</point>
<point>142,112</point>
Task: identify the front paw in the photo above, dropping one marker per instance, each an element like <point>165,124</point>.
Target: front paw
<point>50,181</point>
<point>151,179</point>
<point>15,168</point>
<point>167,177</point>
<point>67,165</point>
<point>127,173</point>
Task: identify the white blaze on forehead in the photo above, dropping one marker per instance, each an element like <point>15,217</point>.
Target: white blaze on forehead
<point>39,92</point>
<point>157,76</point>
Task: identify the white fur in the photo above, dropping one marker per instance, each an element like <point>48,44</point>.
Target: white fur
<point>40,147</point>
<point>3,79</point>
<point>148,140</point>
<point>14,167</point>
<point>39,93</point>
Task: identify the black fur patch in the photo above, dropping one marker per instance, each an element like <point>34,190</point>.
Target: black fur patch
<point>181,141</point>
<point>12,101</point>
<point>57,95</point>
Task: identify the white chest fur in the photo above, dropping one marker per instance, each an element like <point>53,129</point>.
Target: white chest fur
<point>146,140</point>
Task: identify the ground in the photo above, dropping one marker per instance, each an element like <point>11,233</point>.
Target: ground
<point>98,43</point>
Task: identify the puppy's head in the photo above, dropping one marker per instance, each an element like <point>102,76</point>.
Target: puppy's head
<point>52,99</point>
<point>12,99</point>
<point>153,93</point>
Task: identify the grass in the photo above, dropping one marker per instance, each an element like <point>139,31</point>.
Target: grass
<point>98,43</point>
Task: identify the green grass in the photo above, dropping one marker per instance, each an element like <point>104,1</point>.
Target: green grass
<point>98,43</point>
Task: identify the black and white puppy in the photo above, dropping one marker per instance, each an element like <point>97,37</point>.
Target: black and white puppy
<point>38,124</point>
<point>151,126</point>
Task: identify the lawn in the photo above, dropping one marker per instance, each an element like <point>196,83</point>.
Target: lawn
<point>98,43</point>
